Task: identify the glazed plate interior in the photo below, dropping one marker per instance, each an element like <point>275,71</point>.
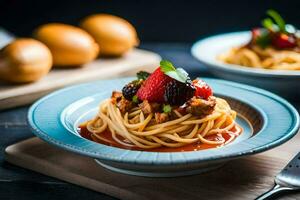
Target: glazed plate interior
<point>267,121</point>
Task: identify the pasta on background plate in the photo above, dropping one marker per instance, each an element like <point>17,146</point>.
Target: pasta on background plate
<point>275,46</point>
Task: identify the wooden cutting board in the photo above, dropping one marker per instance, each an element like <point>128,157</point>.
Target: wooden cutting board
<point>243,178</point>
<point>137,59</point>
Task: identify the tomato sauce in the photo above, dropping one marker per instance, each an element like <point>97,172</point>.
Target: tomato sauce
<point>189,147</point>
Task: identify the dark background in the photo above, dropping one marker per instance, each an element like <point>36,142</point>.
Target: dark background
<point>156,21</point>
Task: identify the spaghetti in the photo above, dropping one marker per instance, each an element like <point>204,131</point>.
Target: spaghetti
<point>136,130</point>
<point>163,111</point>
<point>268,58</point>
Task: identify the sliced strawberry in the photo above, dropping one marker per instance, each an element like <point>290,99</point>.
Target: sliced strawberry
<point>283,41</point>
<point>153,88</point>
<point>202,89</point>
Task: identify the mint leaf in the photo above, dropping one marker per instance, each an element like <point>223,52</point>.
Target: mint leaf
<point>278,19</point>
<point>135,99</point>
<point>182,74</point>
<point>167,108</point>
<point>268,24</point>
<point>142,75</point>
<point>178,74</point>
<point>166,66</point>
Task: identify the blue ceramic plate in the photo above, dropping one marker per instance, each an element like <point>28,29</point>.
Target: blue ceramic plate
<point>283,82</point>
<point>267,120</point>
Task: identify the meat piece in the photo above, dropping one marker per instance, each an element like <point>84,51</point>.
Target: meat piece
<point>201,107</point>
<point>161,117</point>
<point>124,105</point>
<point>148,108</point>
<point>156,107</point>
<point>116,96</point>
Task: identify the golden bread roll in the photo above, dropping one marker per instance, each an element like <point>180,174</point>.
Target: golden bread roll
<point>114,35</point>
<point>70,46</point>
<point>24,60</point>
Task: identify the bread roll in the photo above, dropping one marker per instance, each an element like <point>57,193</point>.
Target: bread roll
<point>70,46</point>
<point>114,35</point>
<point>24,60</point>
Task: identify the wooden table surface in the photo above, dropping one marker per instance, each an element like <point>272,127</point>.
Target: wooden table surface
<point>18,183</point>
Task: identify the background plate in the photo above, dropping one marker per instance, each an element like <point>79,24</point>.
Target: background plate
<point>282,82</point>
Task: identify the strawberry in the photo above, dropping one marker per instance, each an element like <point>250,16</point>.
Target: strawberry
<point>202,89</point>
<point>282,41</point>
<point>153,88</point>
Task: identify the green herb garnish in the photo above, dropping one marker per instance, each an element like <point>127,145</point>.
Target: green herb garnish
<point>268,24</point>
<point>264,39</point>
<point>275,22</point>
<point>167,108</point>
<point>142,75</point>
<point>135,99</point>
<point>178,74</point>
<point>278,19</point>
<point>166,66</point>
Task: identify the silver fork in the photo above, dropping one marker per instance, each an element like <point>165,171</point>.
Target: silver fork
<point>287,180</point>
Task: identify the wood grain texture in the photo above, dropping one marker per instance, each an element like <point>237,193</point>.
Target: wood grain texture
<point>243,178</point>
<point>103,68</point>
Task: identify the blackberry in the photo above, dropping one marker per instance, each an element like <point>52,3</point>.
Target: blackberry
<point>177,93</point>
<point>131,89</point>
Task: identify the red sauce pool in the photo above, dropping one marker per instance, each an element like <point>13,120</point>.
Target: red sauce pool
<point>189,147</point>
